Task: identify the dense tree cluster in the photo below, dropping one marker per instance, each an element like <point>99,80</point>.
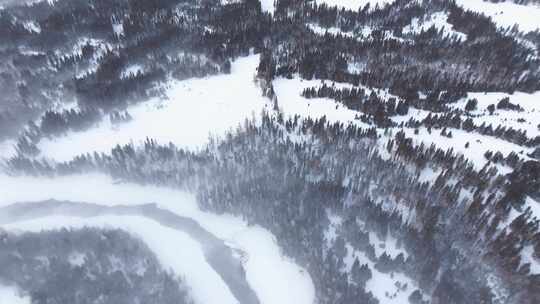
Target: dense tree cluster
<point>403,63</point>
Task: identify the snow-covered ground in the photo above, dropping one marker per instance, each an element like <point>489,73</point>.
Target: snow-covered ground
<point>32,27</point>
<point>527,252</point>
<point>506,14</point>
<point>478,144</point>
<point>384,286</point>
<point>274,278</point>
<point>355,4</point>
<point>7,148</point>
<point>291,102</point>
<point>100,46</point>
<point>361,33</point>
<point>527,256</point>
<point>267,6</point>
<point>132,70</point>
<point>534,206</point>
<point>437,20</point>
<point>330,30</point>
<point>288,92</point>
<point>175,250</point>
<point>388,246</point>
<point>195,109</point>
<point>528,120</point>
<point>10,295</point>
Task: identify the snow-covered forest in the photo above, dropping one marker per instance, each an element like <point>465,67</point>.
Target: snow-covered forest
<point>272,152</point>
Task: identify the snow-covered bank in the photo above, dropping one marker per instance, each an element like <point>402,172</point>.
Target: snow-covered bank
<point>195,109</point>
<point>174,249</point>
<point>272,276</point>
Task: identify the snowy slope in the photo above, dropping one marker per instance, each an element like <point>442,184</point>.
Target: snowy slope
<point>291,102</point>
<point>194,110</point>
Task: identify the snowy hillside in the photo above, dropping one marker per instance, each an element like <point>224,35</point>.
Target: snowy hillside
<point>175,119</point>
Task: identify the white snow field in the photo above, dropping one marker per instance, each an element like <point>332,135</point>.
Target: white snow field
<point>275,278</point>
<point>195,109</point>
<point>506,14</point>
<point>175,250</point>
<point>10,295</point>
